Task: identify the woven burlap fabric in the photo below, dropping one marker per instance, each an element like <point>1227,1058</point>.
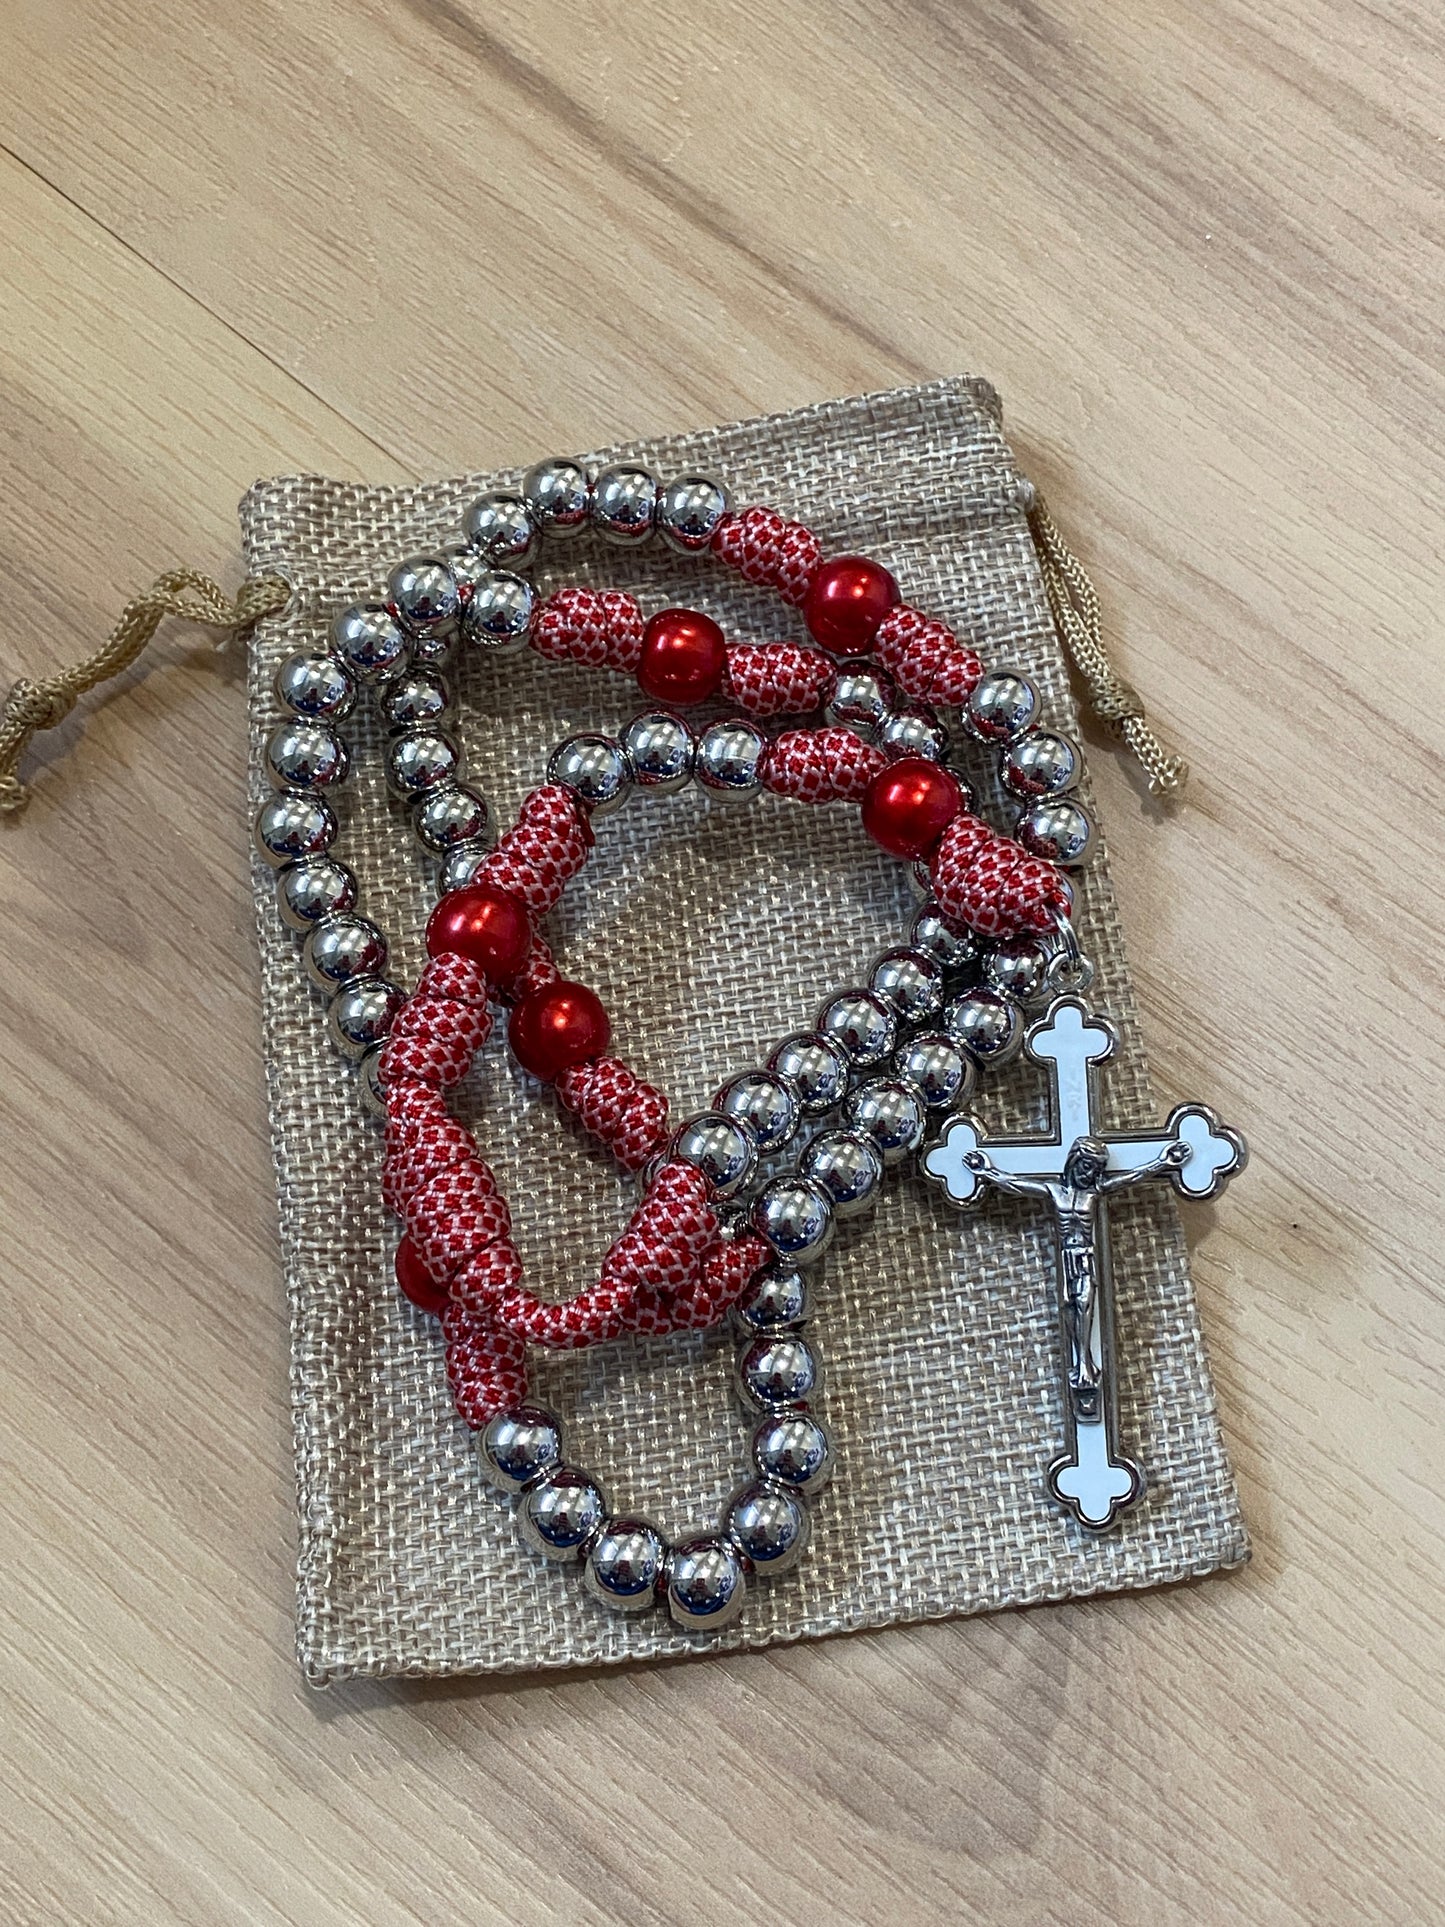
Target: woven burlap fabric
<point>710,930</point>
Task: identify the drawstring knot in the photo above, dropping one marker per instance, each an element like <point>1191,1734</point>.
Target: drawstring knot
<point>1075,607</point>
<point>184,593</point>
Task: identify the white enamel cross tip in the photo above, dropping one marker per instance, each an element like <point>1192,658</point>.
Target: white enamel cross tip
<point>1076,1169</point>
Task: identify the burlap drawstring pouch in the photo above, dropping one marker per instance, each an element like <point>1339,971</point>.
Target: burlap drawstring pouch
<point>709,930</point>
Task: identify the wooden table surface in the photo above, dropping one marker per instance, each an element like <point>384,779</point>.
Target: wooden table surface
<point>1197,248</point>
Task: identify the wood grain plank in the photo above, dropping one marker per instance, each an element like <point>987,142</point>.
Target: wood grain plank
<point>1193,246</point>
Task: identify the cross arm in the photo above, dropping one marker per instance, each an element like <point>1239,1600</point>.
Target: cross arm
<point>1022,1164</point>
<point>1215,1152</point>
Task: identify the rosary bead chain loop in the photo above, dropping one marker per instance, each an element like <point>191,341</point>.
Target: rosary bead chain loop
<point>563,1512</point>
<point>877,714</point>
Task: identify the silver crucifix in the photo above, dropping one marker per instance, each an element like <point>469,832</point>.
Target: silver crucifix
<point>1077,1169</point>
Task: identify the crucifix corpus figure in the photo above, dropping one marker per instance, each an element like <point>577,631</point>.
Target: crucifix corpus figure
<point>1075,1169</point>
<point>1076,1197</point>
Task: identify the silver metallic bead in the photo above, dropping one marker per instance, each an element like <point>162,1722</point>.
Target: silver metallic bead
<point>913,729</point>
<point>595,769</point>
<point>859,698</point>
<point>517,1447</point>
<point>1041,763</point>
<point>557,493</point>
<point>435,649</point>
<point>910,983</point>
<point>794,1449</point>
<point>706,1584</point>
<point>722,1148</point>
<point>498,613</point>
<point>561,1513</point>
<point>1058,829</point>
<point>730,758</point>
<point>815,1067</point>
<point>769,1526</point>
<point>795,1215</point>
<point>369,639</point>
<point>423,595</point>
<point>624,503</point>
<point>418,760</point>
<point>362,1013</point>
<point>500,528</point>
<point>951,946</point>
<point>321,687</point>
<point>625,1564</point>
<point>419,695</point>
<point>938,1068</point>
<point>1001,706</point>
<point>467,565</point>
<point>289,828</point>
<point>891,1113</point>
<point>689,510</point>
<point>766,1103</point>
<point>1017,967</point>
<point>302,755</point>
<point>861,1024</point>
<point>989,1027</point>
<point>460,865</point>
<point>776,1369</point>
<point>368,1081</point>
<point>849,1166</point>
<point>342,948</point>
<point>661,748</point>
<point>316,887</point>
<point>450,816</point>
<point>777,1297</point>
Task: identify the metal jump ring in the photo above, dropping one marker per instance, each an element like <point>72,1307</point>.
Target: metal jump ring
<point>1068,969</point>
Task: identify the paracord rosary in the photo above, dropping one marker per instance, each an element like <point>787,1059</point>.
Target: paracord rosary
<point>726,1223</point>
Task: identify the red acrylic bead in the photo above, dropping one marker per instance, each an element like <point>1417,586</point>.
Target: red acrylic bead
<point>683,657</point>
<point>485,925</point>
<point>554,1029</point>
<point>412,1279</point>
<point>909,805</point>
<point>846,603</point>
